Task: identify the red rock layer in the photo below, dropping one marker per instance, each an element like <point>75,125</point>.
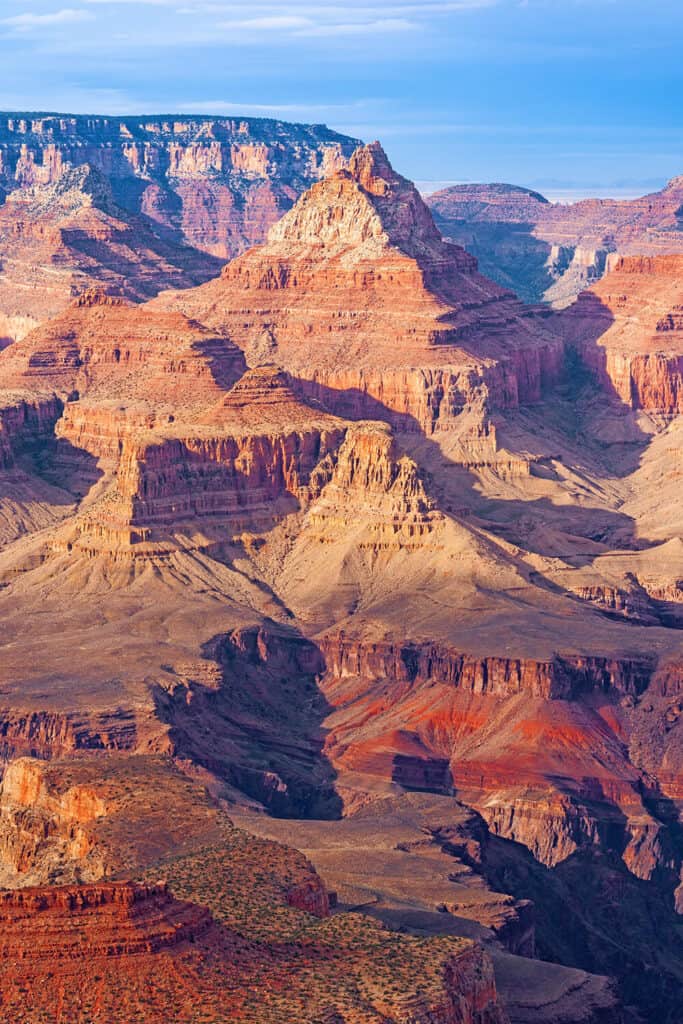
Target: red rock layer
<point>218,183</point>
<point>628,330</point>
<point>357,295</point>
<point>106,347</point>
<point>25,422</point>
<point>107,919</point>
<point>555,250</point>
<point>537,748</point>
<point>56,240</point>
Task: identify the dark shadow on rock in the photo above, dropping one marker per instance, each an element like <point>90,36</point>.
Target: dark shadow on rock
<point>171,259</point>
<point>592,913</point>
<point>37,451</point>
<point>258,726</point>
<point>508,253</point>
<point>453,485</point>
<point>63,465</point>
<point>227,364</point>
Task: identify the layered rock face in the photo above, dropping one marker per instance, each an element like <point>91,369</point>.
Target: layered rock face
<point>513,739</point>
<point>255,943</point>
<point>347,523</point>
<point>103,348</point>
<point>219,183</point>
<point>140,205</point>
<point>553,251</point>
<point>104,920</point>
<point>411,331</point>
<point>60,238</point>
<point>628,331</point>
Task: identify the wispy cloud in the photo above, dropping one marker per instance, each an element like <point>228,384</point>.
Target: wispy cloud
<point>31,20</point>
<point>304,7</point>
<point>269,23</point>
<point>348,28</point>
<point>301,27</point>
<point>311,111</point>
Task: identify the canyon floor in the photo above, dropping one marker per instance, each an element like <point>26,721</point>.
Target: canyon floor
<point>341,600</point>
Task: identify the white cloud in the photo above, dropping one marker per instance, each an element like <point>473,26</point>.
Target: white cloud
<point>29,20</point>
<point>302,27</point>
<point>307,110</point>
<point>269,23</point>
<point>357,27</point>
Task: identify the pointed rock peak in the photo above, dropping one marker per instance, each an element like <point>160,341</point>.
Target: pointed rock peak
<point>675,185</point>
<point>365,207</point>
<point>266,384</point>
<point>371,168</point>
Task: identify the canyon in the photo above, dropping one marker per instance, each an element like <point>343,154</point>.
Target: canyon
<point>346,548</point>
<point>552,251</point>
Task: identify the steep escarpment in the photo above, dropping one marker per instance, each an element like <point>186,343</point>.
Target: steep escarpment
<point>100,346</point>
<point>60,238</point>
<point>25,422</point>
<point>217,183</point>
<point>109,919</point>
<point>558,679</point>
<point>141,205</point>
<point>349,524</point>
<point>256,942</point>
<point>628,331</point>
<point>430,719</point>
<point>412,332</point>
<point>553,251</point>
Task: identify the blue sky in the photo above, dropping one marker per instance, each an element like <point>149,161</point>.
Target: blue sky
<point>558,94</point>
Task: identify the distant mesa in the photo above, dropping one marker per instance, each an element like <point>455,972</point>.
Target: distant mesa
<point>552,251</point>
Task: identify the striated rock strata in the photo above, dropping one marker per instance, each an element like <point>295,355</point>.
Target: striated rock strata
<point>218,183</point>
<point>628,331</point>
<point>358,297</point>
<point>553,251</point>
<point>104,920</point>
<point>347,524</point>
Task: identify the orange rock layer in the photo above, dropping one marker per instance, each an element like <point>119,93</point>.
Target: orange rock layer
<point>358,296</point>
<point>107,919</point>
<point>628,330</point>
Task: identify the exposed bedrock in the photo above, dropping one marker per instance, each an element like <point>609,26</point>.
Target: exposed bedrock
<point>221,475</point>
<point>25,422</point>
<point>539,748</point>
<point>552,251</point>
<point>429,399</point>
<point>218,183</point>
<point>50,734</point>
<point>111,919</point>
<point>412,332</point>
<point>628,332</point>
<point>562,678</point>
<point>258,725</point>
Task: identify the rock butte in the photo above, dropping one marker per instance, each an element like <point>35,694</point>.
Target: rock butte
<point>356,293</point>
<point>628,330</point>
<point>351,521</point>
<point>555,250</point>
